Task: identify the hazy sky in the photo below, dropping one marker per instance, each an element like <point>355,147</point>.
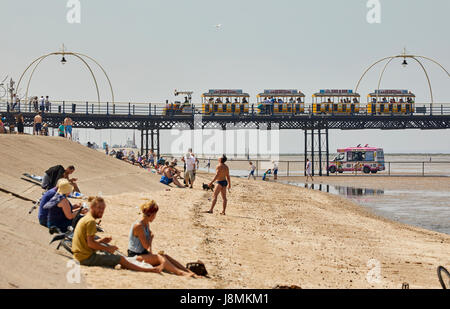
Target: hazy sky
<point>149,48</point>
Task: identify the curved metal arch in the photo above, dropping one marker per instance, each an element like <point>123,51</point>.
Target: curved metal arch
<point>28,67</point>
<point>428,79</point>
<point>79,56</point>
<point>40,59</point>
<point>423,68</point>
<point>367,70</point>
<point>104,72</point>
<point>442,67</point>
<point>403,56</point>
<point>381,76</point>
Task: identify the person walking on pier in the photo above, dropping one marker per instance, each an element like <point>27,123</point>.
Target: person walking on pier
<point>42,104</point>
<point>47,104</point>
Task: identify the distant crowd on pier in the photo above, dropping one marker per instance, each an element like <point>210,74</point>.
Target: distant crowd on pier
<point>39,127</point>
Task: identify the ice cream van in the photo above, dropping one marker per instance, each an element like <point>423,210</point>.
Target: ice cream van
<point>353,159</point>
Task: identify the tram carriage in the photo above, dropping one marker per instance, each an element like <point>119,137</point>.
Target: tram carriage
<point>225,102</point>
<point>391,101</point>
<point>281,102</point>
<point>336,101</point>
<point>179,108</point>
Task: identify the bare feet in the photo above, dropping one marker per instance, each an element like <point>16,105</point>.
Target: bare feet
<point>223,213</point>
<point>208,212</point>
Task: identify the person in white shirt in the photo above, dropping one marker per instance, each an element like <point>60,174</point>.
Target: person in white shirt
<point>189,175</point>
<point>308,170</point>
<point>275,170</point>
<point>42,103</point>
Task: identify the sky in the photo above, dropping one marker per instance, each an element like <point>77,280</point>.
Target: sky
<point>149,48</point>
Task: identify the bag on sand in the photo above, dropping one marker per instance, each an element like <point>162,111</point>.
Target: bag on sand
<point>197,268</point>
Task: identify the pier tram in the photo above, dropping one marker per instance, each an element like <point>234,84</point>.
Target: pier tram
<point>391,101</point>
<point>280,102</point>
<point>336,101</point>
<point>225,102</point>
<point>178,107</point>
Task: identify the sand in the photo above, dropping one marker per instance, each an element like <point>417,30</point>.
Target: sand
<point>272,234</point>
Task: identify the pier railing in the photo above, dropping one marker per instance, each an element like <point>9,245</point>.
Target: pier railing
<point>295,168</point>
<point>152,109</point>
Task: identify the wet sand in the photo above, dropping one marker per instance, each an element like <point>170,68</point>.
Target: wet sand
<point>273,233</point>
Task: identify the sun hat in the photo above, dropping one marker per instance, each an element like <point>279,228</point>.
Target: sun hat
<point>64,187</point>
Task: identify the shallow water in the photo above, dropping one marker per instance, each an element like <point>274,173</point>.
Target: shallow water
<point>425,209</point>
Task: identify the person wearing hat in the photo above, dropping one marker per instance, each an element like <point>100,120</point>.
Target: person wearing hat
<point>60,210</point>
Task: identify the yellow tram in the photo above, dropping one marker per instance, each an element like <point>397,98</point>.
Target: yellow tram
<point>391,101</point>
<point>225,102</point>
<point>336,101</point>
<point>280,101</point>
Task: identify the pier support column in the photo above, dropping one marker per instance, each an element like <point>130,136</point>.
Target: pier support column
<point>157,142</point>
<point>142,141</point>
<point>316,150</point>
<point>146,143</point>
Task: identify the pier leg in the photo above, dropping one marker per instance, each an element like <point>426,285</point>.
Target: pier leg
<point>312,152</point>
<point>153,139</point>
<point>305,152</point>
<point>142,141</point>
<point>158,145</point>
<point>146,142</point>
<point>328,153</point>
<point>320,153</point>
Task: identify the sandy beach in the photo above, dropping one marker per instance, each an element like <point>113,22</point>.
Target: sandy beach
<point>273,233</point>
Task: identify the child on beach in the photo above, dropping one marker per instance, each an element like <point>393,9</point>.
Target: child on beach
<point>268,172</point>
<point>140,243</point>
<point>252,171</point>
<point>223,181</point>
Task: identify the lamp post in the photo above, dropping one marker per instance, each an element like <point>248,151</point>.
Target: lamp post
<point>65,53</point>
<point>404,55</point>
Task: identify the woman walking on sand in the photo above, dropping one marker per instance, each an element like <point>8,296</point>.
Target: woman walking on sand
<point>223,181</point>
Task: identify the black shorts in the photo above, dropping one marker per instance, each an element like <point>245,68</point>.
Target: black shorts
<point>132,253</point>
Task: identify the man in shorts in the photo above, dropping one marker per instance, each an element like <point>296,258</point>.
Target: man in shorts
<point>37,124</point>
<point>97,252</point>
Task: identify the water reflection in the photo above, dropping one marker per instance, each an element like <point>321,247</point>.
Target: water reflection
<point>340,190</point>
<point>426,209</point>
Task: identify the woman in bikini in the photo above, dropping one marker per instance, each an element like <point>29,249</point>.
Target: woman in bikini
<point>223,181</point>
<point>140,244</point>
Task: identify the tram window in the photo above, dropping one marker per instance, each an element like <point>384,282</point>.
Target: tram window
<point>340,157</point>
<point>369,156</point>
<point>356,156</point>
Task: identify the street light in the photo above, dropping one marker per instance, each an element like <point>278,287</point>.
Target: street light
<point>404,63</point>
<point>63,60</point>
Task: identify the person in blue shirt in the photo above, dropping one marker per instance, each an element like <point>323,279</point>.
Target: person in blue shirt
<point>60,210</point>
<point>43,213</point>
